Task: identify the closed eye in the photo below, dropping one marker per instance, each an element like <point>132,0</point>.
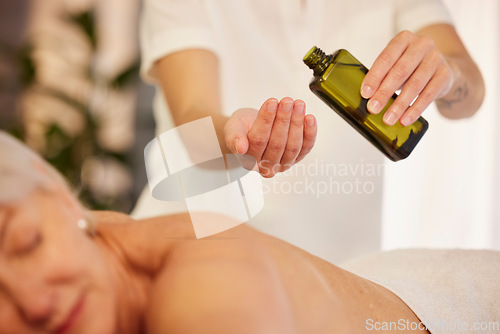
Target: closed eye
<point>23,241</point>
<point>34,241</point>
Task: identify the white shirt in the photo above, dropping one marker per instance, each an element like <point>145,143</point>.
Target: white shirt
<point>333,196</point>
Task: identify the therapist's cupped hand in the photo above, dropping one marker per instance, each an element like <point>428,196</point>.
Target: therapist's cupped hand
<point>413,64</point>
<point>277,136</point>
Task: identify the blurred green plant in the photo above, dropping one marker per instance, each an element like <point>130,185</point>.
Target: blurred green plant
<point>67,153</point>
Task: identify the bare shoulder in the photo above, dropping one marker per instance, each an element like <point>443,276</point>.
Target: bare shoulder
<point>222,284</point>
<point>195,281</point>
<point>142,244</point>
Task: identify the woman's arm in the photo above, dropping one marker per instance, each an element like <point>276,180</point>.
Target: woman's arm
<point>466,93</point>
<point>190,83</point>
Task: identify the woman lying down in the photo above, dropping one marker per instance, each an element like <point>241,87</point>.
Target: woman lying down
<point>66,270</point>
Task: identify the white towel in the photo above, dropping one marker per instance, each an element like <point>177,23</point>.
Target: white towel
<point>451,291</point>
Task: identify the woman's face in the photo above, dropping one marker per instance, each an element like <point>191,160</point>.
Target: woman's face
<point>53,277</point>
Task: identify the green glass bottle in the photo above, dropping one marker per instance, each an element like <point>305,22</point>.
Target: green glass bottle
<point>337,81</point>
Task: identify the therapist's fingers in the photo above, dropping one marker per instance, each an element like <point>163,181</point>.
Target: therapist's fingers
<point>394,80</point>
<point>412,88</point>
<point>310,131</point>
<point>410,62</point>
<point>295,136</point>
<point>432,79</point>
<point>276,136</point>
<point>426,97</point>
<point>381,67</point>
<point>258,136</point>
<point>270,162</point>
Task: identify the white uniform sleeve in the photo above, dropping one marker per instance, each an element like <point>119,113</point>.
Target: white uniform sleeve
<point>169,26</point>
<point>414,15</point>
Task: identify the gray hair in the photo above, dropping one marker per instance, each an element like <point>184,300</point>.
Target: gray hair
<point>22,171</point>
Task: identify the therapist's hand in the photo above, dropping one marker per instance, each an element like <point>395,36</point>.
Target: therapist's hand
<point>414,64</point>
<point>277,136</point>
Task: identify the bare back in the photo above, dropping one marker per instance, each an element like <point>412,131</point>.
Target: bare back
<point>243,281</point>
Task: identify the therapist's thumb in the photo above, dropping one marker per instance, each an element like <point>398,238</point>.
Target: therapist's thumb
<point>241,145</point>
<point>236,137</point>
